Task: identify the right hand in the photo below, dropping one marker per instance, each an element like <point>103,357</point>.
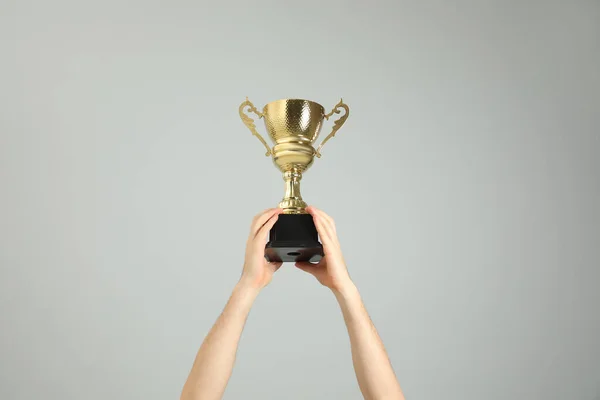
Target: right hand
<point>331,270</point>
<point>257,271</point>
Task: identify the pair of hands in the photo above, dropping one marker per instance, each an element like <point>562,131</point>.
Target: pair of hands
<point>330,271</point>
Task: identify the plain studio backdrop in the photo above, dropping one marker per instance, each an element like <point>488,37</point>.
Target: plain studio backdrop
<point>465,185</point>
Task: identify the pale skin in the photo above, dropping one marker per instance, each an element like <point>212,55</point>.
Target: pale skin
<point>214,361</point>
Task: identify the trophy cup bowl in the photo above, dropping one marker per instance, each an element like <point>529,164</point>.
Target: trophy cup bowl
<point>293,126</point>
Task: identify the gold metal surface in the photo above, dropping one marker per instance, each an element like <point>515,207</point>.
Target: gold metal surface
<point>336,125</point>
<point>293,126</point>
<point>250,122</point>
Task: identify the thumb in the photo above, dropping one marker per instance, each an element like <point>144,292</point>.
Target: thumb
<point>307,267</point>
<point>274,266</point>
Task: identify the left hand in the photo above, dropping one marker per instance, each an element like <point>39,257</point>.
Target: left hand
<point>331,271</point>
<point>257,270</point>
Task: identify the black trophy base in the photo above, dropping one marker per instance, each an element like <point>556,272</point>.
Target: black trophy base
<point>294,238</point>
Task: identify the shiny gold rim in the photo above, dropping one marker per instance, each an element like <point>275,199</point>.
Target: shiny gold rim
<point>293,99</point>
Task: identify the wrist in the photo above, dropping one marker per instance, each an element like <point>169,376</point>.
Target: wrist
<point>247,286</point>
<point>345,289</point>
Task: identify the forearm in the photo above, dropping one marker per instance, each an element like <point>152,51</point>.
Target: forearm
<point>373,369</point>
<point>214,362</point>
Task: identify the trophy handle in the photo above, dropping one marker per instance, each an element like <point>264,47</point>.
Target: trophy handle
<point>249,122</point>
<point>336,125</point>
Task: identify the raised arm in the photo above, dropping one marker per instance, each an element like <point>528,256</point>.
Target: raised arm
<point>214,362</point>
<point>372,366</point>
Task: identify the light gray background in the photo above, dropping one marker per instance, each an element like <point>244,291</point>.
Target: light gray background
<point>465,185</point>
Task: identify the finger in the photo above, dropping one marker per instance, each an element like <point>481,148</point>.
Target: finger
<point>257,217</point>
<point>275,265</point>
<point>307,267</point>
<point>263,212</point>
<point>330,225</point>
<point>261,235</point>
<point>261,219</point>
<point>328,220</point>
<point>316,211</point>
<point>325,232</point>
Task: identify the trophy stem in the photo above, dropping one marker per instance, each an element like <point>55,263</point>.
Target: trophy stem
<point>292,202</point>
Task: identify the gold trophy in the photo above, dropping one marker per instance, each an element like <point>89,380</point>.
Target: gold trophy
<point>293,126</point>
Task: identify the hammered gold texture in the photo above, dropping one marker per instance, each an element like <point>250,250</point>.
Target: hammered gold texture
<point>293,119</point>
